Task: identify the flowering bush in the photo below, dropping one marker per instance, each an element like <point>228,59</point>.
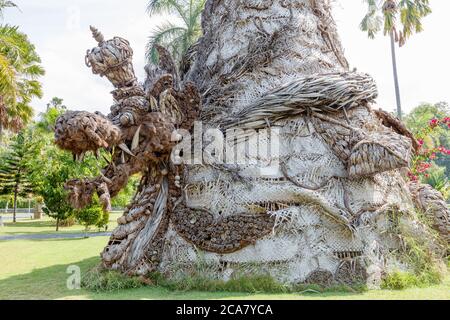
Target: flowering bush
<point>422,163</point>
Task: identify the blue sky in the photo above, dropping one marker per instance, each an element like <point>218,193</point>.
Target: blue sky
<point>60,31</point>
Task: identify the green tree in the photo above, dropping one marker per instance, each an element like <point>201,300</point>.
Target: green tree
<point>418,119</point>
<point>421,115</point>
<point>104,220</point>
<point>47,120</point>
<point>55,167</point>
<point>52,191</point>
<point>421,120</point>
<point>15,168</point>
<point>438,179</point>
<point>126,194</point>
<point>19,70</point>
<point>177,38</point>
<point>398,19</point>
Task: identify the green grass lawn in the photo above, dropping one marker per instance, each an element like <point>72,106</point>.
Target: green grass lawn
<point>37,270</point>
<point>48,225</point>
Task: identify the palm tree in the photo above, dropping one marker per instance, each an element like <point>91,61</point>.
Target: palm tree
<point>19,70</point>
<point>385,14</point>
<point>176,38</point>
<point>6,4</point>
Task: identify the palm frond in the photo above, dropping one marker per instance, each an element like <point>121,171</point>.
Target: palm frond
<point>6,4</point>
<point>19,71</point>
<point>162,35</point>
<point>175,7</point>
<point>388,15</point>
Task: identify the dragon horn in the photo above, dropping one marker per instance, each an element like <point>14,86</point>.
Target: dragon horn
<point>97,35</point>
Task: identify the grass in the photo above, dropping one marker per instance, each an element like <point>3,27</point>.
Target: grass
<point>37,270</point>
<point>253,284</point>
<point>48,226</point>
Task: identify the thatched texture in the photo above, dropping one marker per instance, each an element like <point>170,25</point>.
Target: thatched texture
<point>320,93</point>
<point>112,59</point>
<point>379,153</point>
<point>433,205</point>
<point>317,210</point>
<point>398,126</point>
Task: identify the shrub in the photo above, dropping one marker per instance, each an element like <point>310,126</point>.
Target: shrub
<point>422,252</point>
<point>70,221</point>
<point>422,163</point>
<point>89,216</point>
<point>399,280</point>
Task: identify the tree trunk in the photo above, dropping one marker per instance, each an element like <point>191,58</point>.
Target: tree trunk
<point>57,224</point>
<point>16,191</point>
<point>396,82</point>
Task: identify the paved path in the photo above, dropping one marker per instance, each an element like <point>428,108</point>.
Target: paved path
<point>48,236</point>
<point>19,216</point>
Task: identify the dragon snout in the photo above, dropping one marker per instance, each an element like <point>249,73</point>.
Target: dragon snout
<point>81,132</point>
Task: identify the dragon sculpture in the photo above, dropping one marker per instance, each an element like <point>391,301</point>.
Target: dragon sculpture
<point>321,214</point>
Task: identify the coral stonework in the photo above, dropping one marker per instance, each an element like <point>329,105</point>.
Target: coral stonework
<point>317,211</point>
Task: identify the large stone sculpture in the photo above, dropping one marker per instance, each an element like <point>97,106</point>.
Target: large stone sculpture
<point>318,210</point>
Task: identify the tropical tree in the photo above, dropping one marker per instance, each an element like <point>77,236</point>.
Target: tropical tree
<point>55,108</point>
<point>399,19</point>
<point>430,123</point>
<point>6,4</point>
<point>420,116</point>
<point>125,196</point>
<point>177,38</point>
<point>52,191</point>
<point>54,167</point>
<point>19,70</point>
<point>15,168</point>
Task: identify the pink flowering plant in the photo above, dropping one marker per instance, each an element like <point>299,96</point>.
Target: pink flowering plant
<point>423,162</point>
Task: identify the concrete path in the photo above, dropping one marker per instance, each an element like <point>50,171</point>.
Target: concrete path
<point>19,216</point>
<point>48,236</point>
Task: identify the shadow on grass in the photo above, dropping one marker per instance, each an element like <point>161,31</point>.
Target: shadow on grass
<point>50,283</point>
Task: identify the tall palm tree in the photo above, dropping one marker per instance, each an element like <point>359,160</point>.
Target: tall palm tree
<point>385,15</point>
<point>19,71</point>
<point>6,4</point>
<point>175,37</point>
